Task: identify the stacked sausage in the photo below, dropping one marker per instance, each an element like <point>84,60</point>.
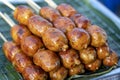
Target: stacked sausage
<point>22,63</point>
<point>60,41</point>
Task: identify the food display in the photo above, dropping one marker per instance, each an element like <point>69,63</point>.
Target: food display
<point>57,44</point>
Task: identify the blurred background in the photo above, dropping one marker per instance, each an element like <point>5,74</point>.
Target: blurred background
<point>113,5</point>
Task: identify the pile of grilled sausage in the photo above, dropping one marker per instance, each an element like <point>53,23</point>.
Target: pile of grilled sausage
<point>56,44</point>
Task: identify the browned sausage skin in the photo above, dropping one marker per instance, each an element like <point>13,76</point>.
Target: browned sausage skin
<point>38,25</point>
<point>69,58</point>
<point>64,24</point>
<point>34,73</point>
<point>66,10</point>
<point>81,21</point>
<point>94,65</point>
<point>49,13</point>
<point>55,40</point>
<point>47,60</point>
<point>22,13</point>
<point>21,61</point>
<point>98,35</point>
<point>88,55</point>
<point>31,44</point>
<point>59,74</point>
<point>10,50</point>
<point>103,51</point>
<point>19,32</point>
<point>79,69</point>
<point>111,60</point>
<point>78,38</point>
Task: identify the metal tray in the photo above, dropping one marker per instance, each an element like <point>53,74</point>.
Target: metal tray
<point>7,71</point>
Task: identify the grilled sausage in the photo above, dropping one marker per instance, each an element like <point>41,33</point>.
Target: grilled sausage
<point>88,55</point>
<point>21,61</point>
<point>66,10</point>
<point>79,69</point>
<point>22,13</point>
<point>59,74</point>
<point>81,21</point>
<point>47,60</point>
<point>19,32</point>
<point>64,24</point>
<point>98,36</point>
<point>49,13</point>
<point>103,51</point>
<point>34,73</point>
<point>38,25</point>
<point>94,65</point>
<point>69,58</point>
<point>55,40</point>
<point>10,49</point>
<point>31,44</point>
<point>79,38</point>
<point>111,60</point>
